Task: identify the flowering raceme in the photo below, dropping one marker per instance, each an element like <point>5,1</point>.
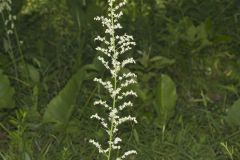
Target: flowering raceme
<point>5,6</point>
<point>113,47</point>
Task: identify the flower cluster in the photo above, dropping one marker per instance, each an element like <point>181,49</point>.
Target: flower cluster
<point>5,6</point>
<point>112,48</point>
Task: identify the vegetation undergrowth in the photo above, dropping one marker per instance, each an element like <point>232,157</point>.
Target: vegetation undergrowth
<point>187,63</point>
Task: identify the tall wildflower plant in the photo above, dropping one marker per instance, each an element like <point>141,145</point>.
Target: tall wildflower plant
<point>5,6</point>
<point>113,47</point>
<point>9,19</point>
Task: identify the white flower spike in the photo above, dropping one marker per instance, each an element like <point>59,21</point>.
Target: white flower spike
<point>9,19</point>
<point>113,47</point>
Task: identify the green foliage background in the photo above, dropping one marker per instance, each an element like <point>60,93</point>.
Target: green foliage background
<point>188,63</point>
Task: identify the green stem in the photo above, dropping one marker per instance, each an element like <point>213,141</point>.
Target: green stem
<point>21,53</point>
<point>115,85</point>
<point>112,125</point>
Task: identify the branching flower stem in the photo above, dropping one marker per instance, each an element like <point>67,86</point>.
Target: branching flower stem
<point>112,124</point>
<point>10,51</point>
<point>115,84</point>
<point>10,29</point>
<point>114,45</point>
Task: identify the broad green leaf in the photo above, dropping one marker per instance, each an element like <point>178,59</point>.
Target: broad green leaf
<point>33,73</point>
<point>191,33</point>
<point>166,97</point>
<point>28,71</point>
<point>60,108</point>
<point>6,92</point>
<point>27,156</point>
<point>223,39</point>
<point>233,114</point>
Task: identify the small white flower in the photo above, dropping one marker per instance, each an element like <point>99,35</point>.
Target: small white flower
<point>125,104</point>
<point>117,140</point>
<point>129,75</point>
<point>102,39</point>
<point>107,85</point>
<point>128,61</point>
<point>104,62</point>
<point>113,114</point>
<point>103,50</point>
<point>128,82</point>
<point>125,119</point>
<point>102,120</point>
<point>98,146</point>
<point>5,5</point>
<point>115,92</point>
<point>103,103</point>
<point>128,93</point>
<point>128,153</point>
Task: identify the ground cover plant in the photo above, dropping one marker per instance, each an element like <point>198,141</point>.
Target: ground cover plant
<point>187,66</point>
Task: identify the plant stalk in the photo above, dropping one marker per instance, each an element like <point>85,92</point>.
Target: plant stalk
<point>115,85</point>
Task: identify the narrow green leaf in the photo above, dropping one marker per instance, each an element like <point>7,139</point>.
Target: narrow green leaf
<point>136,136</point>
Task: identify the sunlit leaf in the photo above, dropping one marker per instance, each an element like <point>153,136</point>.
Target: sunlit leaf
<point>233,114</point>
<point>166,97</point>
